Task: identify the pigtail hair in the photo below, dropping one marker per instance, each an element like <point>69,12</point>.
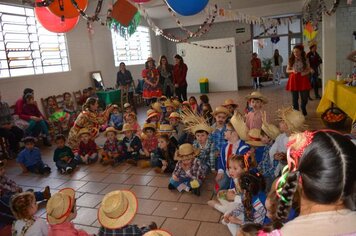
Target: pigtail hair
<point>287,196</point>
<point>247,202</point>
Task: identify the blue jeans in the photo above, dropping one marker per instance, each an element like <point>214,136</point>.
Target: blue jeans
<point>39,167</point>
<point>37,127</point>
<point>224,183</point>
<point>63,164</point>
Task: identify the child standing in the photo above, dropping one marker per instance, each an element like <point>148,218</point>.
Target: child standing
<point>150,141</point>
<point>116,119</point>
<point>131,144</point>
<point>63,156</point>
<point>254,117</point>
<point>163,157</point>
<point>87,151</point>
<point>30,158</point>
<point>188,174</point>
<point>24,208</point>
<point>112,149</point>
<point>61,211</point>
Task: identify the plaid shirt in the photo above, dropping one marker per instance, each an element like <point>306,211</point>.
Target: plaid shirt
<point>196,171</point>
<point>207,154</point>
<point>217,137</point>
<point>128,230</point>
<point>114,146</point>
<point>266,167</point>
<point>7,186</point>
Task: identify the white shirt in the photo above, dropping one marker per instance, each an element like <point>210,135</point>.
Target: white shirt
<point>235,146</point>
<point>280,145</point>
<point>39,228</point>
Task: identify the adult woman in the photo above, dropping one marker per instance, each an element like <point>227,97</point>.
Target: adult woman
<point>150,75</point>
<point>277,61</point>
<point>256,71</point>
<point>89,118</point>
<point>166,76</point>
<point>315,62</point>
<point>180,78</point>
<point>322,165</point>
<point>298,82</point>
<point>124,79</point>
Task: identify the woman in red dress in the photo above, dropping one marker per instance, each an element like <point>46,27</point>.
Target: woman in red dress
<point>256,70</point>
<point>151,87</point>
<point>298,82</point>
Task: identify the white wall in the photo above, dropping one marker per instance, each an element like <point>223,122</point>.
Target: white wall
<point>219,67</point>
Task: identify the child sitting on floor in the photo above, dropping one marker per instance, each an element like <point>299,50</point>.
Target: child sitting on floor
<point>30,158</point>
<point>207,113</point>
<point>63,156</point>
<point>131,119</point>
<point>149,139</point>
<point>24,208</point>
<point>193,104</point>
<point>168,130</point>
<point>61,211</point>
<point>127,110</point>
<point>178,127</point>
<point>204,99</point>
<point>254,117</point>
<point>188,174</point>
<point>116,120</point>
<point>113,150</point>
<point>169,110</point>
<point>153,118</point>
<point>163,157</point>
<point>87,151</point>
<point>131,144</point>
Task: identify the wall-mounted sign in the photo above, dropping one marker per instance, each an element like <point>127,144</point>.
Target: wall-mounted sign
<point>240,30</point>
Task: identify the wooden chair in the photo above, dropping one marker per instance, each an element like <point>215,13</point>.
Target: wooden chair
<point>137,98</point>
<point>60,100</point>
<point>77,96</point>
<point>124,97</point>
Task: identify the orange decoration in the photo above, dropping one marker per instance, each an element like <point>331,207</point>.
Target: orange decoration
<point>123,12</point>
<point>69,10</point>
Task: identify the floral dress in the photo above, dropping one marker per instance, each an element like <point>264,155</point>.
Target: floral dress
<point>149,91</point>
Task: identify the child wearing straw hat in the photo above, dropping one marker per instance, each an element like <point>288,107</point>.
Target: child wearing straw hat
<point>116,119</point>
<point>61,211</point>
<point>188,174</point>
<point>150,141</point>
<point>132,120</point>
<point>117,210</point>
<point>131,144</point>
<point>113,150</point>
<point>128,108</point>
<point>168,130</point>
<point>153,117</point>
<point>231,106</point>
<point>169,108</point>
<point>163,157</point>
<point>254,117</point>
<point>254,139</point>
<point>176,122</point>
<point>87,150</point>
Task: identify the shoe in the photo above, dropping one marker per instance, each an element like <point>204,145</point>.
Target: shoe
<point>69,170</point>
<point>46,142</point>
<point>47,193</point>
<point>158,170</point>
<point>46,170</point>
<point>132,162</point>
<point>171,187</point>
<point>305,113</point>
<point>196,191</point>
<point>153,226</point>
<point>310,99</point>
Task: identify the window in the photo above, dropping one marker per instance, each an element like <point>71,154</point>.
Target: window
<point>26,48</point>
<point>134,50</point>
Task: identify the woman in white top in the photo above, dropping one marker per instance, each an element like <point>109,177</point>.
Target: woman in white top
<point>322,165</point>
<point>277,64</point>
<point>24,208</point>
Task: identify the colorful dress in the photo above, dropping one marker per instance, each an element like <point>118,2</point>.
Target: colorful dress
<point>152,75</point>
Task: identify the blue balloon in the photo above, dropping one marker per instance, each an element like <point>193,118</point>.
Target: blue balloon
<point>187,7</point>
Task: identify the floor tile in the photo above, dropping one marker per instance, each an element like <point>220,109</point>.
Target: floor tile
<point>119,169</point>
<point>164,194</point>
<point>74,184</point>
<point>97,167</point>
<point>146,206</point>
<point>77,175</point>
<point>159,182</point>
<point>141,220</point>
<point>178,227</point>
<point>143,191</point>
<point>94,176</point>
<point>204,197</point>
<point>114,187</point>
<point>172,209</point>
<point>89,200</point>
<point>138,180</point>
<point>116,178</point>
<point>93,187</point>
<point>137,170</point>
<point>86,216</point>
<point>212,229</point>
<point>203,213</point>
<point>51,182</point>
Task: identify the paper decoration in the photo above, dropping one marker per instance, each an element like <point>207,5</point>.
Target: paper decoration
<point>187,7</point>
<point>66,9</point>
<point>309,31</point>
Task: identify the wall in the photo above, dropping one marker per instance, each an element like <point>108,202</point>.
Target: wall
<point>218,31</point>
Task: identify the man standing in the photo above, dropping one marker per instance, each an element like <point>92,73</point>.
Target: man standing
<point>314,61</point>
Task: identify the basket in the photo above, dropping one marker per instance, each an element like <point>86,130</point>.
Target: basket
<point>334,118</point>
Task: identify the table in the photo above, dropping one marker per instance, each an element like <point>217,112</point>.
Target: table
<point>344,97</point>
<point>110,96</point>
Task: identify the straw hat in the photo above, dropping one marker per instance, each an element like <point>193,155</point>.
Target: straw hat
<point>110,129</point>
<point>131,114</point>
<point>148,126</point>
<point>83,131</point>
<point>163,97</point>
<point>117,209</point>
<point>229,102</point>
<point>174,115</point>
<point>293,118</point>
<point>221,109</point>
<point>157,232</point>
<point>115,106</point>
<point>168,103</point>
<point>59,206</point>
<point>254,138</point>
<point>157,107</point>
<point>126,105</point>
<point>186,152</point>
<point>151,113</point>
<point>194,122</point>
<point>271,130</point>
<point>165,128</point>
<point>239,125</point>
<point>204,127</point>
<point>186,103</point>
<point>257,95</point>
<point>127,127</point>
<point>176,103</point>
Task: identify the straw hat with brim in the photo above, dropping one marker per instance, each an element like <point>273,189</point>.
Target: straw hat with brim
<point>127,127</point>
<point>165,128</point>
<point>83,131</point>
<point>153,114</point>
<point>186,103</point>
<point>186,152</point>
<point>117,209</point>
<point>257,95</point>
<point>60,205</point>
<point>254,138</point>
<point>271,130</point>
<point>126,105</point>
<point>149,126</point>
<point>157,232</point>
<point>163,97</point>
<point>168,104</point>
<point>115,106</point>
<point>203,127</point>
<point>157,107</point>
<point>239,125</point>
<point>110,129</point>
<point>221,109</point>
<point>174,115</point>
<point>176,103</point>
<point>133,114</point>
<point>293,118</point>
<point>229,102</point>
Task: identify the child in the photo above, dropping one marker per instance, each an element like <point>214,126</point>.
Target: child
<point>63,156</point>
<point>252,208</point>
<point>254,117</point>
<point>131,144</point>
<point>68,106</point>
<point>257,146</point>
<point>131,119</point>
<point>127,110</point>
<point>234,145</point>
<point>150,141</point>
<point>292,121</point>
<point>85,96</point>
<point>30,158</point>
<point>87,152</point>
<point>117,210</point>
<point>168,130</point>
<point>193,104</point>
<point>207,113</point>
<point>230,105</point>
<point>188,174</point>
<point>24,208</point>
<point>204,99</point>
<point>116,119</point>
<point>178,126</point>
<point>185,107</point>
<point>169,110</point>
<point>56,114</point>
<point>92,92</point>
<point>163,157</point>
<point>61,211</point>
<point>113,150</point>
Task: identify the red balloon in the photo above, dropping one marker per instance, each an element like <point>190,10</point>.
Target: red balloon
<point>69,10</point>
<point>54,23</point>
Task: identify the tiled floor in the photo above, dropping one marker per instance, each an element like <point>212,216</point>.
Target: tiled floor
<point>182,214</point>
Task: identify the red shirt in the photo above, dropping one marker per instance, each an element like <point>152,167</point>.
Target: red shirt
<point>180,75</point>
<point>87,148</point>
<point>255,67</point>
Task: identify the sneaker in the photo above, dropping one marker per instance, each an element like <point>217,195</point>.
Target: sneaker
<point>158,170</point>
<point>47,193</point>
<point>69,170</point>
<point>171,187</point>
<point>196,191</point>
<point>132,162</point>
<point>46,170</point>
<point>46,142</point>
<point>63,171</point>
